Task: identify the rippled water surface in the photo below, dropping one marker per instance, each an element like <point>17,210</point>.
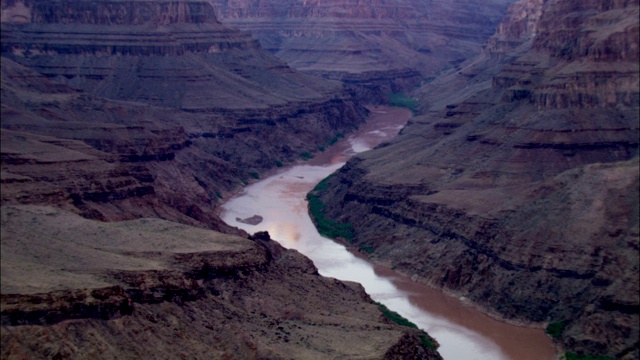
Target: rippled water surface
<point>462,331</point>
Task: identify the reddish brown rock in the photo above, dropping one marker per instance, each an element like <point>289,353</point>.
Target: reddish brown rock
<point>516,185</point>
<point>203,100</point>
<point>151,288</point>
<point>375,47</point>
<point>149,110</point>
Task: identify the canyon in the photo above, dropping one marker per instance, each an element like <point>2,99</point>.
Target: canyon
<point>516,184</point>
<point>373,47</point>
<point>124,126</point>
<point>127,123</point>
<point>154,89</point>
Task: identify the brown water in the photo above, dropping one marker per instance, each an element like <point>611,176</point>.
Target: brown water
<point>462,331</point>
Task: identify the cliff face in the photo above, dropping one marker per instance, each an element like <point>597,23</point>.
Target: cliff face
<point>144,92</point>
<point>376,47</point>
<point>516,186</point>
<point>151,288</point>
<point>130,112</point>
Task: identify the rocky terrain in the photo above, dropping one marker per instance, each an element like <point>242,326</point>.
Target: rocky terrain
<point>516,186</point>
<point>154,89</point>
<point>124,125</point>
<point>375,47</point>
<point>74,288</point>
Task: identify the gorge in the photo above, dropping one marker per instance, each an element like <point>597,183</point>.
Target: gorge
<point>516,186</point>
<point>279,201</point>
<point>126,124</point>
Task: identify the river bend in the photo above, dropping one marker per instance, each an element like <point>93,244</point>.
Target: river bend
<point>462,331</point>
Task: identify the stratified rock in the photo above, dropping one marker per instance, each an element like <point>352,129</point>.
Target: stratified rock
<point>375,47</point>
<point>517,185</point>
<point>182,108</point>
<point>153,289</point>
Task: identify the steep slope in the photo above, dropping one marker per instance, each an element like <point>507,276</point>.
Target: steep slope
<point>376,47</point>
<point>75,288</point>
<point>516,186</point>
<point>158,89</point>
<point>143,115</point>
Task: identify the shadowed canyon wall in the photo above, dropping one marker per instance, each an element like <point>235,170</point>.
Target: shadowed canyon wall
<point>375,47</point>
<point>516,186</point>
<point>144,115</point>
<point>155,89</point>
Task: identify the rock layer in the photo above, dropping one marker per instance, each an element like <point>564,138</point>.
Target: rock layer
<point>516,186</point>
<point>389,46</point>
<point>156,90</point>
<point>150,288</point>
<point>134,111</point>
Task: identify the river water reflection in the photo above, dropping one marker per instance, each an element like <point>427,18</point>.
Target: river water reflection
<point>462,331</point>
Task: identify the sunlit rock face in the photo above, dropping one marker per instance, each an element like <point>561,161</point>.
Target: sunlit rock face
<point>516,185</point>
<point>374,46</point>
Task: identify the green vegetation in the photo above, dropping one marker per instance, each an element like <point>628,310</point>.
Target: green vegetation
<point>402,100</point>
<point>395,317</point>
<point>278,163</point>
<point>426,342</point>
<point>555,329</point>
<point>325,226</point>
<point>572,356</point>
<point>323,185</point>
<point>219,194</point>
<point>335,139</point>
<point>305,155</point>
<point>331,141</point>
<point>366,249</point>
<point>254,175</point>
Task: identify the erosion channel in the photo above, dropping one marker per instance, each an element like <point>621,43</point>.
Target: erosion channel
<point>277,204</point>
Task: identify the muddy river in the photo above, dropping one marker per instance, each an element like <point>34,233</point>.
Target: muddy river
<point>462,331</point>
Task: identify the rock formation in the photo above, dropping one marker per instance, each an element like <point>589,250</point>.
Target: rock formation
<point>144,114</point>
<point>375,47</point>
<point>75,288</point>
<point>516,186</point>
<point>155,89</point>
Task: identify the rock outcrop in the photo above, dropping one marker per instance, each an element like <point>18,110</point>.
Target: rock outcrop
<point>375,47</point>
<point>75,288</point>
<point>517,184</point>
<point>130,95</point>
<point>143,115</point>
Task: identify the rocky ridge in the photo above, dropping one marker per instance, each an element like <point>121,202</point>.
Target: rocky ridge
<point>516,185</point>
<point>375,47</point>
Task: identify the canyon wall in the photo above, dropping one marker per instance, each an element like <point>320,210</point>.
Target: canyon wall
<point>375,47</point>
<point>152,289</point>
<point>144,115</point>
<point>154,89</point>
<point>516,185</point>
